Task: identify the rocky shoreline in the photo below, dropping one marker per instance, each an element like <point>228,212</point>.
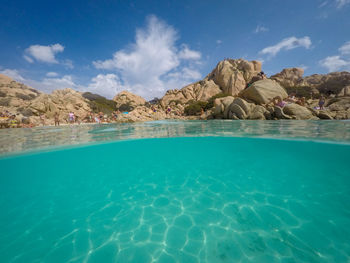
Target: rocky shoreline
<point>235,89</point>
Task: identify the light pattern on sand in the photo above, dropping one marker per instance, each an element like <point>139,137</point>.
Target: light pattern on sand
<point>178,200</point>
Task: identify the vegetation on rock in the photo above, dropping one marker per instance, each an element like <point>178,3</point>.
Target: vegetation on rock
<point>99,103</point>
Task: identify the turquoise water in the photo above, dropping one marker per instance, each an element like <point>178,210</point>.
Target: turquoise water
<point>185,199</point>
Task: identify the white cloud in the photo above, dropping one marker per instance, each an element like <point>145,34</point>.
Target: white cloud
<point>341,3</point>
<point>345,49</point>
<point>334,63</point>
<point>186,53</point>
<point>259,29</point>
<point>287,44</point>
<point>51,74</point>
<point>219,42</point>
<point>106,85</point>
<point>147,67</point>
<point>43,53</point>
<point>12,73</point>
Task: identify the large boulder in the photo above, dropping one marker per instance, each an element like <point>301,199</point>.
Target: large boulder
<point>344,91</point>
<point>232,75</point>
<point>262,91</point>
<point>220,105</point>
<point>126,98</point>
<point>298,112</point>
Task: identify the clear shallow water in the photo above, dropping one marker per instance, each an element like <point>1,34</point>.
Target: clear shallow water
<point>14,141</point>
<point>223,198</point>
<point>207,199</point>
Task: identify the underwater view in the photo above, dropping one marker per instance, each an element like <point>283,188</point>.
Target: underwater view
<point>177,192</point>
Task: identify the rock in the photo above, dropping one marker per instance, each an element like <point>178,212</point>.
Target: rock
<point>238,108</point>
<point>324,115</point>
<point>15,95</point>
<point>129,99</point>
<point>331,83</point>
<point>220,104</point>
<point>289,77</point>
<point>232,75</point>
<point>279,114</point>
<point>340,107</point>
<point>263,91</point>
<point>344,91</point>
<point>199,91</point>
<point>297,111</point>
<point>259,113</point>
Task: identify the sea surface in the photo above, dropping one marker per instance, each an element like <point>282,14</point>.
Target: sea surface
<point>174,191</point>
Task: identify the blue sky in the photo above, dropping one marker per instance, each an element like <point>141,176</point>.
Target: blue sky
<point>148,47</point>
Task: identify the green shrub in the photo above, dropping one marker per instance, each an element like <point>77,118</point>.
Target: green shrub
<point>126,107</point>
<point>210,103</point>
<point>99,103</point>
<point>194,108</point>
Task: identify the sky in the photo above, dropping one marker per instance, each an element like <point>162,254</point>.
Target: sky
<point>149,47</point>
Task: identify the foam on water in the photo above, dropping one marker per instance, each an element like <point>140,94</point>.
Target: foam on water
<point>207,199</point>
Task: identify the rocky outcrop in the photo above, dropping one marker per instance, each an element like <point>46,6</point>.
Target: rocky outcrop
<point>230,76</point>
<point>337,83</point>
<point>127,99</point>
<point>262,91</point>
<point>61,101</point>
<point>289,77</point>
<point>233,75</point>
<point>332,83</point>
<point>340,107</point>
<point>15,95</point>
<point>199,91</point>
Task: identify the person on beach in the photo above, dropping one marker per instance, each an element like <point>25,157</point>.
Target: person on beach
<point>71,117</point>
<point>97,120</point>
<point>321,102</point>
<point>277,101</point>
<point>13,123</point>
<point>57,119</point>
<point>291,98</point>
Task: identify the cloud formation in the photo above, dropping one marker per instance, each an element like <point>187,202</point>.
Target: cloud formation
<point>287,44</point>
<point>153,64</point>
<point>51,74</point>
<point>338,62</point>
<point>43,53</point>
<point>334,63</point>
<point>345,49</point>
<point>107,85</point>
